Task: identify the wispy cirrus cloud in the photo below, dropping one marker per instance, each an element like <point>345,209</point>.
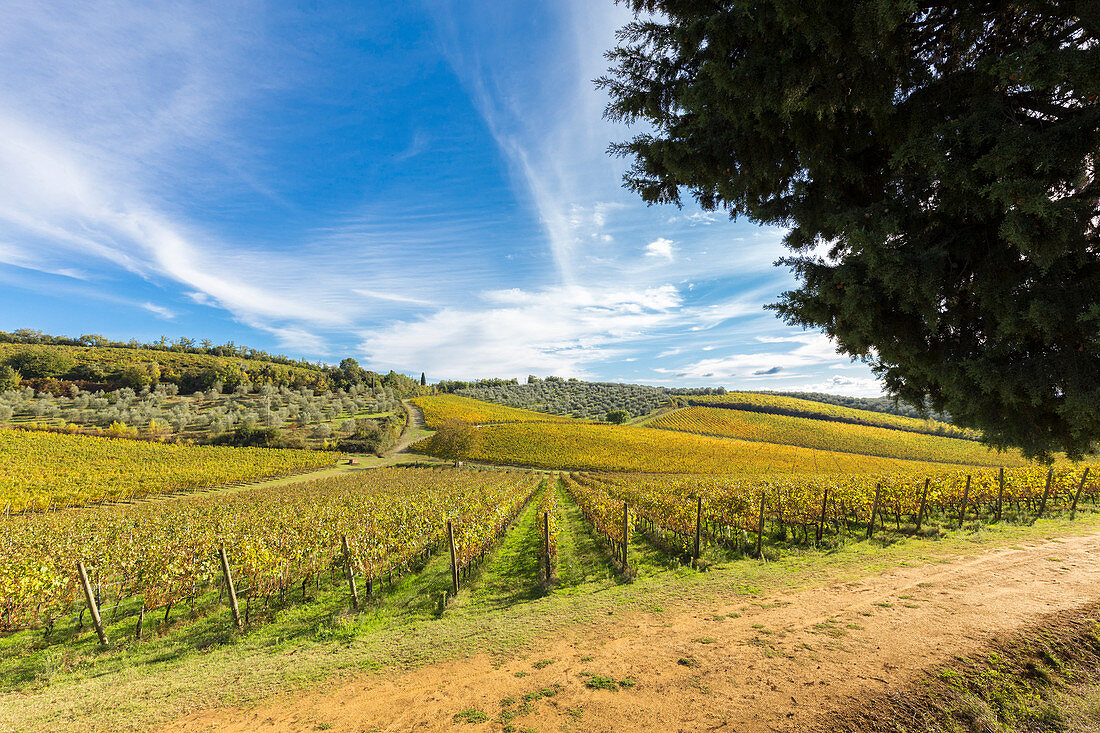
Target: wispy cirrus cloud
<point>159,310</point>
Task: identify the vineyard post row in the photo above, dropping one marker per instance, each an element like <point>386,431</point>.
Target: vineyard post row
<point>158,553</point>
<point>458,568</point>
<point>602,512</point>
<point>668,512</point>
<point>548,531</point>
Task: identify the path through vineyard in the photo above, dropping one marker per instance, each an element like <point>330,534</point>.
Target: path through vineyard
<point>771,662</point>
<point>414,430</point>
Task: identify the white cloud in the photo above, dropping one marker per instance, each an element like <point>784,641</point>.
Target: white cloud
<point>851,386</point>
<point>814,350</point>
<point>660,247</point>
<point>392,297</point>
<point>159,311</point>
<point>562,330</point>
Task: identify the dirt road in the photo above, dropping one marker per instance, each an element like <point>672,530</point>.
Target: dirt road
<point>414,431</point>
<point>776,663</point>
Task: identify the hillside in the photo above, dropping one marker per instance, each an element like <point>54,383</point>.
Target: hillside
<point>628,448</point>
<point>795,407</point>
<point>576,398</point>
<point>105,365</point>
<point>359,419</point>
<point>809,432</point>
<point>88,470</point>
<point>873,404</point>
<point>93,362</point>
<point>720,440</point>
<point>440,409</point>
<point>571,397</point>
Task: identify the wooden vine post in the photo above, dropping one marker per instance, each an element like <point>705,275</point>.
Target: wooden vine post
<point>824,509</point>
<point>1077,496</point>
<point>349,573</point>
<point>760,528</point>
<point>546,543</point>
<point>1000,492</point>
<point>229,587</point>
<point>454,558</point>
<point>626,537</point>
<point>89,596</point>
<point>874,512</point>
<point>698,529</point>
<point>923,504</point>
<point>1046,494</point>
<point>966,496</point>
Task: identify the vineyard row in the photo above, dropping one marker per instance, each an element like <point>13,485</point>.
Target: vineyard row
<point>374,523</point>
<point>679,511</point>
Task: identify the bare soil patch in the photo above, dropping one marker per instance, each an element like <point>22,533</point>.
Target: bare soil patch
<point>1045,677</point>
<point>780,662</point>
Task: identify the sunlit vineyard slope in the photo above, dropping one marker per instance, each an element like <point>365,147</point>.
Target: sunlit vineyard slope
<point>440,409</point>
<point>167,552</point>
<point>590,446</point>
<point>792,406</point>
<point>831,435</point>
<point>37,469</point>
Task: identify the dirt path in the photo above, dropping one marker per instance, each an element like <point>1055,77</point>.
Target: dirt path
<point>779,663</point>
<point>414,431</point>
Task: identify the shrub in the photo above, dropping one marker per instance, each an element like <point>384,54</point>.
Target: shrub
<point>9,378</point>
<point>249,435</point>
<point>139,376</point>
<point>617,417</point>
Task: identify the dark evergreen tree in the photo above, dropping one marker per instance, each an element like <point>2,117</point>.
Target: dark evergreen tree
<point>423,379</point>
<point>936,166</point>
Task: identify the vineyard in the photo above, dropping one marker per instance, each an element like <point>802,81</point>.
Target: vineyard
<point>266,547</point>
<point>390,550</point>
<point>795,407</point>
<point>442,409</point>
<point>39,470</point>
<point>681,511</point>
<point>581,446</point>
<point>275,542</point>
<point>831,435</point>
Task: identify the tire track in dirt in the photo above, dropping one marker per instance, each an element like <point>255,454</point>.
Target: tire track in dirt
<point>779,662</point>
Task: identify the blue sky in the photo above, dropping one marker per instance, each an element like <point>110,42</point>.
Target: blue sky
<point>423,186</point>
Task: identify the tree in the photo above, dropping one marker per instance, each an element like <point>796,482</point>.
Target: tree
<point>137,376</point>
<point>456,440</point>
<point>935,165</point>
<point>617,417</point>
<point>348,373</point>
<point>423,379</point>
<point>40,362</point>
<point>9,378</point>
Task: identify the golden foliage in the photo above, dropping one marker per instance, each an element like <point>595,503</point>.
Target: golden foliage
<point>38,469</point>
<point>831,435</point>
<point>441,409</point>
<point>577,445</point>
